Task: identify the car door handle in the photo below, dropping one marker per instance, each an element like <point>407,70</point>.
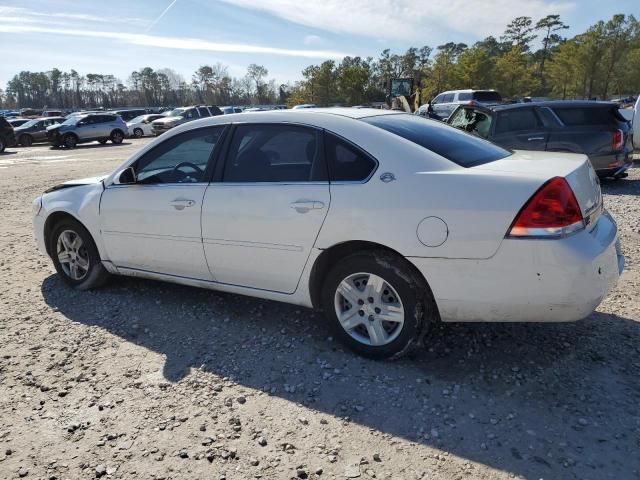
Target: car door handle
<point>531,139</point>
<point>303,206</point>
<point>181,203</point>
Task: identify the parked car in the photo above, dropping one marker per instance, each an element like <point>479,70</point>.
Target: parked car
<point>35,130</point>
<point>595,129</point>
<point>230,110</point>
<point>388,222</point>
<point>636,124</point>
<point>141,125</point>
<point>443,105</point>
<point>30,113</point>
<point>17,122</point>
<point>52,113</point>
<point>304,105</point>
<point>182,115</point>
<point>7,136</point>
<point>128,114</point>
<point>76,129</point>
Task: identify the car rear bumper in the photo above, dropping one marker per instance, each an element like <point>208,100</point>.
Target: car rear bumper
<point>612,164</point>
<point>529,280</point>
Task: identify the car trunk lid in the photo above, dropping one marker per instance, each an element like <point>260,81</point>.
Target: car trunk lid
<point>575,168</point>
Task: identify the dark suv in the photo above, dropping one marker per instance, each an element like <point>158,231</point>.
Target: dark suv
<point>7,137</point>
<point>595,129</point>
<point>88,128</point>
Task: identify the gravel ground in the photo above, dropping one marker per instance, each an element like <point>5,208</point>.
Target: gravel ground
<point>155,381</point>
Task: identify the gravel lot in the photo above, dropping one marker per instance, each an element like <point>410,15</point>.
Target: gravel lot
<point>144,380</point>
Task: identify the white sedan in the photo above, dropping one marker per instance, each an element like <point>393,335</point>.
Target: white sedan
<point>388,222</point>
<point>141,125</point>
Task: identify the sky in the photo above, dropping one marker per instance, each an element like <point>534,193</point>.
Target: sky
<point>119,36</point>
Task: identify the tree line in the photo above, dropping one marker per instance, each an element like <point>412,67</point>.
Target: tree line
<point>528,59</point>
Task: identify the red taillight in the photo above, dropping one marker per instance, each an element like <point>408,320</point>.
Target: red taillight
<point>618,140</point>
<point>552,211</point>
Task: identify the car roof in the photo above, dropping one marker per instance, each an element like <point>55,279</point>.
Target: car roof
<point>546,103</point>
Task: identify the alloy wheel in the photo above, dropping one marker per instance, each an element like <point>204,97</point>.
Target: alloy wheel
<point>369,309</point>
<point>72,255</point>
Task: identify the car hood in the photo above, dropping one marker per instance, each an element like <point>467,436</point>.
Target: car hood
<point>168,120</point>
<point>77,183</point>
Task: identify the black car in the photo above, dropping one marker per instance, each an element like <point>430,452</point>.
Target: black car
<point>129,113</point>
<point>7,137</point>
<point>595,129</point>
<point>35,130</point>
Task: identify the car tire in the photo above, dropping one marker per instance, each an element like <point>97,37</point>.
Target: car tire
<point>102,142</point>
<point>138,133</point>
<point>2,145</point>
<point>26,140</point>
<point>117,137</point>
<point>75,256</point>
<point>70,140</point>
<point>380,284</point>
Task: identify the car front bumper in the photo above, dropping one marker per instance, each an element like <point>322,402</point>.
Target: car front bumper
<point>529,280</point>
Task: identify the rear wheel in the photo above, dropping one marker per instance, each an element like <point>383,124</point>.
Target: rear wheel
<point>117,137</point>
<point>75,256</point>
<point>376,305</point>
<point>2,145</point>
<point>137,132</point>
<point>26,140</point>
<point>70,140</point>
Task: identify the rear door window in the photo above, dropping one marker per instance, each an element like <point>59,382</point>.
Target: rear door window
<point>572,116</point>
<point>464,96</point>
<point>204,112</point>
<point>275,153</point>
<point>448,98</point>
<point>487,97</point>
<point>448,142</point>
<point>517,120</point>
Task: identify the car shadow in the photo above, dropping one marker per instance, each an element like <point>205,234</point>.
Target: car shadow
<point>7,153</point>
<point>88,146</point>
<point>623,186</point>
<point>523,398</point>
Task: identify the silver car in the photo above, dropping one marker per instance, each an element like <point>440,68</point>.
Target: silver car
<point>100,127</point>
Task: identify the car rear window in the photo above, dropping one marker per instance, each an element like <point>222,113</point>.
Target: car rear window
<point>459,147</point>
<point>487,96</point>
<point>572,116</point>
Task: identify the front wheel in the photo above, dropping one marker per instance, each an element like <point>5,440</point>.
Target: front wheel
<point>75,256</point>
<point>26,140</point>
<point>70,141</point>
<point>2,145</point>
<point>137,132</point>
<point>117,137</point>
<point>376,305</point>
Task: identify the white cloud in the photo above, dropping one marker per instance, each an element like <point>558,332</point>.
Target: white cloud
<point>33,16</point>
<point>313,40</point>
<point>406,19</point>
<point>172,42</point>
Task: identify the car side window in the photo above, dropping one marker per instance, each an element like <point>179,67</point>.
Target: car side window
<point>464,96</point>
<point>180,159</point>
<point>191,113</point>
<point>275,153</point>
<point>448,98</point>
<point>346,163</point>
<point>438,99</point>
<point>517,120</point>
<point>204,112</point>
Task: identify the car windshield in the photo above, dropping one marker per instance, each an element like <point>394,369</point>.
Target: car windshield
<point>175,113</point>
<point>71,120</point>
<point>459,147</point>
<point>30,123</point>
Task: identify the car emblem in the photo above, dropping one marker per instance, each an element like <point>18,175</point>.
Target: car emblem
<point>387,177</point>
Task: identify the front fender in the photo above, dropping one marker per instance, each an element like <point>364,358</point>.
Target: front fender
<point>82,202</point>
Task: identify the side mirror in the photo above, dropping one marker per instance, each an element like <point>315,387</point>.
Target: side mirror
<point>126,177</point>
